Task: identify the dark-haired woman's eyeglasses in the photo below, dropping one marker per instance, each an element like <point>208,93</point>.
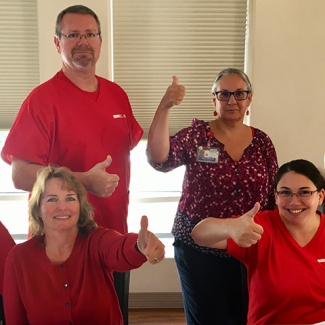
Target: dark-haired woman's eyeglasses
<point>301,193</point>
<point>238,94</point>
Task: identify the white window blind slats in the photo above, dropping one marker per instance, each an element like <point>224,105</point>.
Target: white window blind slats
<point>194,40</point>
<point>19,63</point>
<point>152,41</point>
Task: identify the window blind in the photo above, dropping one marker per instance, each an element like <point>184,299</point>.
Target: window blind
<point>19,62</point>
<point>154,40</point>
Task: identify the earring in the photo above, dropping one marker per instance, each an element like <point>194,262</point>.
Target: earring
<point>215,113</point>
<point>247,112</point>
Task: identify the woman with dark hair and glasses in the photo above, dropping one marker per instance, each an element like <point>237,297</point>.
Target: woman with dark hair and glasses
<point>229,167</point>
<point>283,249</point>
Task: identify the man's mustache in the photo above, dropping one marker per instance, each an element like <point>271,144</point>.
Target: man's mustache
<point>82,49</point>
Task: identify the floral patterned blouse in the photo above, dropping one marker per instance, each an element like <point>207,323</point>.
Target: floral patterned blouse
<point>224,189</point>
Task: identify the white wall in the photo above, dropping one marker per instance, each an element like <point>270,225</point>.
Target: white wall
<point>162,277</point>
<point>285,60</point>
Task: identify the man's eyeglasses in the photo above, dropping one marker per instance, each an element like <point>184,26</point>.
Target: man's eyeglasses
<point>301,193</point>
<point>78,36</point>
<point>225,95</point>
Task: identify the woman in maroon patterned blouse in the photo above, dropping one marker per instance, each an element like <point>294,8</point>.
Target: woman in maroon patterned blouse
<point>229,167</point>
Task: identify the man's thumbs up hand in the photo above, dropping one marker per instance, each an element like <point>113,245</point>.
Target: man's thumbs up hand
<point>98,181</point>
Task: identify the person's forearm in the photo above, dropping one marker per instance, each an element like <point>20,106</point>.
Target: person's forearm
<point>213,232</point>
<point>24,174</point>
<point>158,136</point>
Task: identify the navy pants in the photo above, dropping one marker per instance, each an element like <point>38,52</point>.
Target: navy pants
<point>2,315</point>
<point>122,284</point>
<point>214,288</point>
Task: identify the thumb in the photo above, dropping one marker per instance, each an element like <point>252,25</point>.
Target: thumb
<point>251,213</point>
<point>144,223</point>
<point>175,80</point>
<point>105,163</point>
<point>142,236</point>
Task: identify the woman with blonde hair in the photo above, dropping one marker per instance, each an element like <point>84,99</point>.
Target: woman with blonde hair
<point>64,273</point>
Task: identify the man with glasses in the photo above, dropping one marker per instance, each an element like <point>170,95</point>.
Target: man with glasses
<point>80,121</point>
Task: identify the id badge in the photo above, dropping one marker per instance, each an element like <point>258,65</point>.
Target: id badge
<point>207,154</point>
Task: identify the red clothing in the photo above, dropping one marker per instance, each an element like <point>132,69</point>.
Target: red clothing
<point>6,243</point>
<point>79,291</point>
<point>60,124</point>
<point>286,281</point>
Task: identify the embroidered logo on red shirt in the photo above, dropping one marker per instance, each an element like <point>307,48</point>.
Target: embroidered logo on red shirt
<point>119,116</point>
<point>321,260</point>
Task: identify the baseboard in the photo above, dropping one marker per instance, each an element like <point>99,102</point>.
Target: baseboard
<point>155,300</point>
